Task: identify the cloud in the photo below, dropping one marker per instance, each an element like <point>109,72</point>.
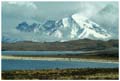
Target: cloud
<point>25,4</point>
<point>18,9</point>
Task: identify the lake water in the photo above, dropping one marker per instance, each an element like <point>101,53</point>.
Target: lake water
<point>40,52</point>
<point>37,64</point>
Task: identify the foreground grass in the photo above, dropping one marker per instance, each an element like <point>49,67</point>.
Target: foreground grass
<point>62,74</point>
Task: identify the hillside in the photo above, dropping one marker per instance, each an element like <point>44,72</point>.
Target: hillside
<point>84,44</point>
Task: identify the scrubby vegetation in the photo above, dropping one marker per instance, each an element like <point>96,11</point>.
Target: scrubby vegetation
<point>62,74</point>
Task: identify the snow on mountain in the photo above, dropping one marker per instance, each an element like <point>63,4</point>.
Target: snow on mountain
<point>70,28</point>
<point>91,29</point>
<point>79,27</point>
<point>108,18</point>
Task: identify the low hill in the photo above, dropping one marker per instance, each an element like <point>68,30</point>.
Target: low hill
<point>74,45</point>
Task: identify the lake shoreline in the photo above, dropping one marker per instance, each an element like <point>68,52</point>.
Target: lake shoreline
<point>12,57</point>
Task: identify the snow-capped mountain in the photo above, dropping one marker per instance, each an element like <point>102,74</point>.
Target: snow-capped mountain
<point>108,18</point>
<point>70,28</point>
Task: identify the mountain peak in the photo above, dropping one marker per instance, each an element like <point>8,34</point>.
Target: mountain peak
<point>79,17</point>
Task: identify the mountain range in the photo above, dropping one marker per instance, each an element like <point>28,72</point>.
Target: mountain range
<point>73,27</point>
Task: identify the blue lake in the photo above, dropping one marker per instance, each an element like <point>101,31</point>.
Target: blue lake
<point>37,64</point>
<point>40,52</point>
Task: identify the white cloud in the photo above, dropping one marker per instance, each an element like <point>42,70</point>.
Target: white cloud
<point>19,9</point>
<point>26,4</point>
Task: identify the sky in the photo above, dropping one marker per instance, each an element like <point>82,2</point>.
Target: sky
<point>14,13</point>
<point>49,10</point>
